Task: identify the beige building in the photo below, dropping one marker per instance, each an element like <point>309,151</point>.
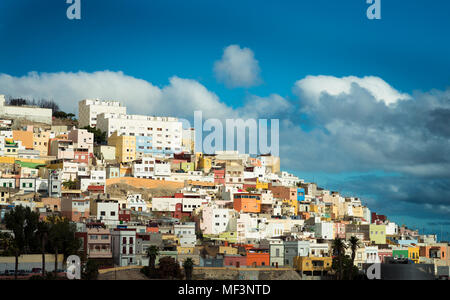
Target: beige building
<point>40,142</point>
<point>88,110</point>
<point>125,147</point>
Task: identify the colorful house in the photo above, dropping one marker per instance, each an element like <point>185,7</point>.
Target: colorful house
<point>258,258</point>
<point>377,234</point>
<point>413,254</point>
<point>235,260</point>
<point>247,202</point>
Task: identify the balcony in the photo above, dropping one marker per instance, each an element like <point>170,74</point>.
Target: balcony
<point>100,253</point>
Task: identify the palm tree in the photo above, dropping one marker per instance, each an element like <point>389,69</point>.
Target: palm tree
<point>43,229</point>
<point>354,245</point>
<point>152,253</point>
<point>339,251</point>
<point>62,239</point>
<point>23,223</point>
<point>188,266</point>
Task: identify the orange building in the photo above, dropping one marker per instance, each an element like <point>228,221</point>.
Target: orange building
<point>26,137</point>
<point>258,258</point>
<point>247,202</point>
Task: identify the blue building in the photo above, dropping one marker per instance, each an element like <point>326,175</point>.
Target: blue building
<point>300,194</point>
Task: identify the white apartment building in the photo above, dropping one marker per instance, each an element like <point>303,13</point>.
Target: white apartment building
<point>135,202</point>
<point>324,230</point>
<point>124,246</point>
<point>88,110</point>
<point>186,234</point>
<point>154,135</point>
<point>144,168</point>
<point>97,176</point>
<point>169,204</point>
<point>214,219</point>
<point>107,212</point>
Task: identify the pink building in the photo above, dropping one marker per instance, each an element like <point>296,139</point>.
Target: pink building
<point>82,155</point>
<point>235,261</point>
<point>339,230</point>
<point>219,176</point>
<point>62,149</point>
<point>98,241</point>
<point>82,139</point>
<point>53,204</point>
<point>382,253</point>
<point>75,210</point>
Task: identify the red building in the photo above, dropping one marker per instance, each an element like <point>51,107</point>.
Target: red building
<point>258,258</point>
<point>82,155</point>
<point>219,176</point>
<point>179,213</point>
<point>124,215</point>
<point>235,261</point>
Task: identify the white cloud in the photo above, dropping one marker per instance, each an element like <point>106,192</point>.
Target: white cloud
<point>265,107</point>
<point>313,87</point>
<point>238,67</point>
<point>181,97</point>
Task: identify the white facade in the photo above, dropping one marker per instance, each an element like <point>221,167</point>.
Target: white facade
<point>124,247</point>
<point>162,169</point>
<point>165,133</point>
<point>136,202</point>
<point>186,234</point>
<point>214,219</point>
<point>108,212</point>
<point>88,110</point>
<point>391,229</point>
<point>35,114</point>
<point>144,168</point>
<point>371,254</point>
<point>324,230</point>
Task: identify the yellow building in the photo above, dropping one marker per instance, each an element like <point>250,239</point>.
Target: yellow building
<point>185,250</point>
<point>4,195</point>
<point>261,185</point>
<point>377,234</point>
<point>125,147</point>
<point>312,265</point>
<point>413,254</point>
<point>204,163</point>
<point>358,211</point>
<point>293,204</point>
<point>11,148</point>
<point>40,142</point>
<point>228,250</point>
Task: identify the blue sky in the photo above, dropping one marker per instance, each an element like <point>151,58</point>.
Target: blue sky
<point>156,40</point>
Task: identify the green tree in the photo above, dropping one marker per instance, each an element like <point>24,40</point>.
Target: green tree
<point>6,241</point>
<point>188,266</point>
<point>99,136</point>
<point>354,245</point>
<point>90,270</point>
<point>338,248</point>
<point>70,184</point>
<point>169,268</point>
<point>23,223</point>
<point>250,189</point>
<point>42,231</point>
<point>62,239</point>
<point>152,253</point>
